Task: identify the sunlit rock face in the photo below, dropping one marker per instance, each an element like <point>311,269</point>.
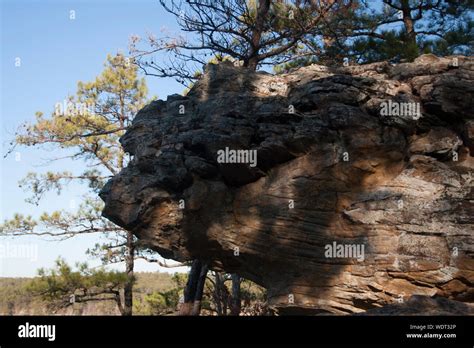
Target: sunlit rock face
<point>361,194</point>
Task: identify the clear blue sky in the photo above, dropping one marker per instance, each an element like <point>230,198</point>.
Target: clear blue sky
<point>55,53</point>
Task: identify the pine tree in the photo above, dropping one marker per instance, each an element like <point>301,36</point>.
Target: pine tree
<point>404,29</point>
<point>87,127</point>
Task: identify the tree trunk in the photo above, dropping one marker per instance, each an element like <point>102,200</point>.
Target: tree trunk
<point>190,289</point>
<point>408,22</point>
<point>200,289</point>
<point>236,303</point>
<point>129,266</point>
<point>118,300</point>
<point>257,32</point>
<point>218,290</point>
<point>252,63</point>
<point>194,289</point>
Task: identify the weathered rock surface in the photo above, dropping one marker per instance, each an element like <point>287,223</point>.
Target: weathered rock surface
<point>424,305</point>
<point>331,167</point>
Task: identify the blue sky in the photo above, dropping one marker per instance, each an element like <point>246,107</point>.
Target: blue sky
<point>55,53</point>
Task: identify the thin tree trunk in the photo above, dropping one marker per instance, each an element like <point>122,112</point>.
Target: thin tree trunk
<point>194,289</point>
<point>218,294</point>
<point>129,266</point>
<point>200,289</point>
<point>236,303</point>
<point>190,289</point>
<point>408,22</point>
<point>259,27</point>
<point>328,40</point>
<point>118,300</point>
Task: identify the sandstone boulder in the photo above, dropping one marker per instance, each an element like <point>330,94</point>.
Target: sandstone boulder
<point>356,200</point>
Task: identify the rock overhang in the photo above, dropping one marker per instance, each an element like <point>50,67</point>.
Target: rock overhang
<point>330,168</point>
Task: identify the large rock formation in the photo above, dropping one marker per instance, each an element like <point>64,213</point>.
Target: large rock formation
<point>355,201</point>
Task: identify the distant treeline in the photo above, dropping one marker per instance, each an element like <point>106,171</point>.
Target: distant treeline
<point>16,298</point>
<point>154,294</point>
